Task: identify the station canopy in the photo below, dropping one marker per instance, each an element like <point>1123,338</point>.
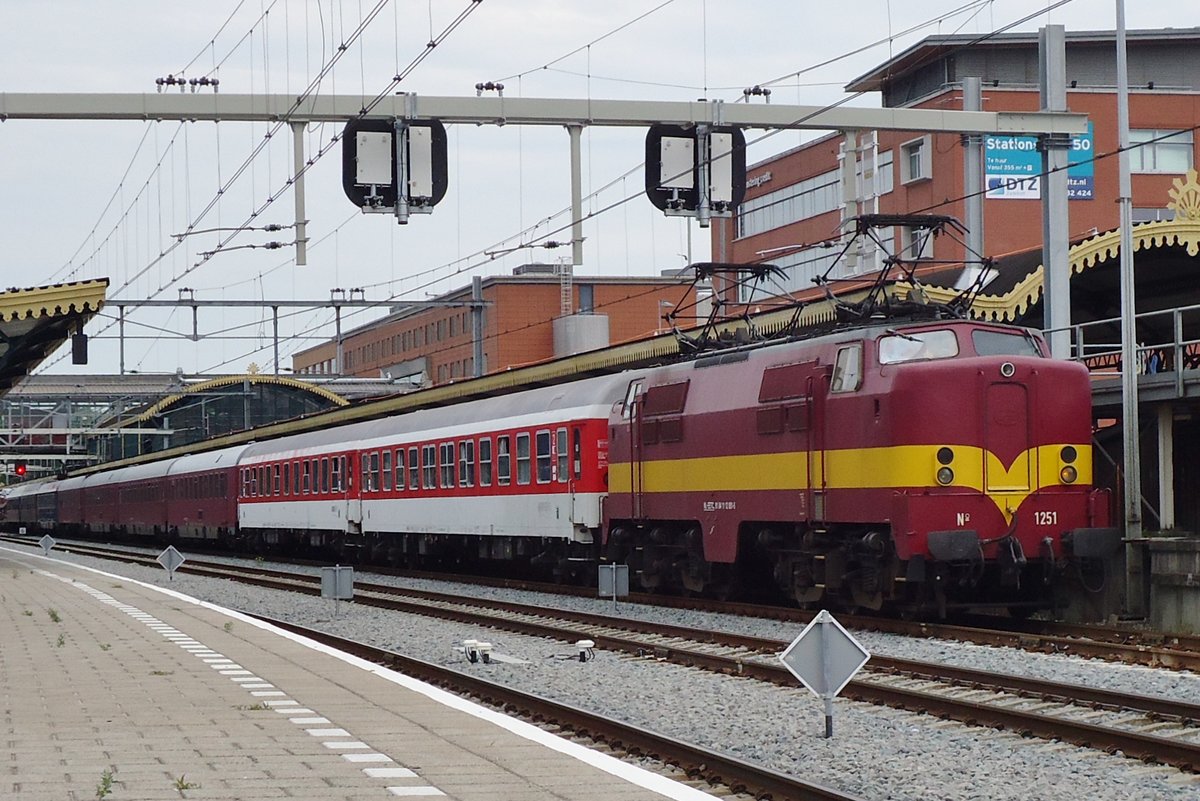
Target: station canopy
<point>35,322</point>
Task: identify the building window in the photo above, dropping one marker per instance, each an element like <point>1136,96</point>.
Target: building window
<point>915,244</point>
<point>916,163</point>
<point>1160,151</point>
<point>813,196</point>
<point>587,298</point>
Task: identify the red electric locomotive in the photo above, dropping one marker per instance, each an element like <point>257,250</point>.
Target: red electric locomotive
<point>919,466</point>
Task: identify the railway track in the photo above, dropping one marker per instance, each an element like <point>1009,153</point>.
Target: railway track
<point>1148,728</point>
<point>1126,645</point>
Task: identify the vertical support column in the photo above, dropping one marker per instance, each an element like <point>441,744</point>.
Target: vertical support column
<point>1056,303</point>
<point>849,180</point>
<point>1166,466</point>
<point>477,326</point>
<point>703,198</point>
<point>298,193</point>
<point>972,91</point>
<point>121,337</point>
<point>275,335</point>
<point>1135,569</point>
<point>576,132</point>
<point>341,356</point>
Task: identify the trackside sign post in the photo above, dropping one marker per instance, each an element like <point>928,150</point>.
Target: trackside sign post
<point>171,559</point>
<point>825,657</point>
<point>47,542</point>
<point>337,583</point>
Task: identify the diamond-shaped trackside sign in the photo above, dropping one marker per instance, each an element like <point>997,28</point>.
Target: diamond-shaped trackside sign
<point>171,559</point>
<point>825,656</point>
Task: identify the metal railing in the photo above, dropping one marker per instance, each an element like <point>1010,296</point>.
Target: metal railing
<point>1162,346</point>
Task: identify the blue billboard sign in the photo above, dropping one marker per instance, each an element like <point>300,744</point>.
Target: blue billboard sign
<point>1013,166</point>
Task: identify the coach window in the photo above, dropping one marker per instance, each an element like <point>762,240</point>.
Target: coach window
<point>306,485</point>
<point>503,460</point>
<point>376,481</point>
<point>245,483</point>
<point>447,462</point>
<point>366,472</point>
<point>466,463</point>
<point>335,474</point>
<point>577,453</point>
<point>414,470</point>
<point>847,369</point>
<point>545,459</point>
<point>485,462</point>
<point>561,446</point>
<point>325,474</point>
<point>295,478</point>
<point>523,471</point>
<point>275,489</point>
<point>287,478</point>
<point>429,466</point>
<point>387,471</point>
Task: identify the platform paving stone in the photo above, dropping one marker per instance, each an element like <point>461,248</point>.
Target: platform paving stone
<point>105,679</point>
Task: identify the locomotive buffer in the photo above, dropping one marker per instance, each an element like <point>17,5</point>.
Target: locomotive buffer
<point>825,657</point>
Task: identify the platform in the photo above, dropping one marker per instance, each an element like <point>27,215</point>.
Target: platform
<point>114,689</point>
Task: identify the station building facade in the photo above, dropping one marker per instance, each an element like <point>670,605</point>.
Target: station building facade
<point>531,316</point>
<point>795,203</point>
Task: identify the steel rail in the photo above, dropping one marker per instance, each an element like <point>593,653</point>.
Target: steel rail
<point>696,761</point>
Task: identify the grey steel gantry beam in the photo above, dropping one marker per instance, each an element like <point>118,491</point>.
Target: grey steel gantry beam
<point>573,113</point>
<point>523,111</point>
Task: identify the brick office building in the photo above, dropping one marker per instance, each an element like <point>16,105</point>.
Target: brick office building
<point>528,317</point>
<point>796,198</point>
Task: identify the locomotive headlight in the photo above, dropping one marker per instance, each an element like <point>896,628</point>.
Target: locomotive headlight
<point>1069,454</point>
<point>945,475</point>
<point>1068,474</point>
<point>945,456</point>
<point>1008,369</point>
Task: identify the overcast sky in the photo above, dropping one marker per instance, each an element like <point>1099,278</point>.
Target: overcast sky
<point>86,200</point>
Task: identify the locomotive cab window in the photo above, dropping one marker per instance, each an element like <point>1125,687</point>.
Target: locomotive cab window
<point>631,396</point>
<point>897,348</point>
<point>847,369</point>
<point>1004,343</point>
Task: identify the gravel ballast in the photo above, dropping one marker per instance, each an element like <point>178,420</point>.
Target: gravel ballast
<point>876,752</point>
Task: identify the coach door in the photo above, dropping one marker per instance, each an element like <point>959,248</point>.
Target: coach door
<point>1006,438</point>
<point>634,411</point>
<point>351,490</point>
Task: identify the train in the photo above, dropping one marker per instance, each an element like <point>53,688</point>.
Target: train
<point>917,466</point>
